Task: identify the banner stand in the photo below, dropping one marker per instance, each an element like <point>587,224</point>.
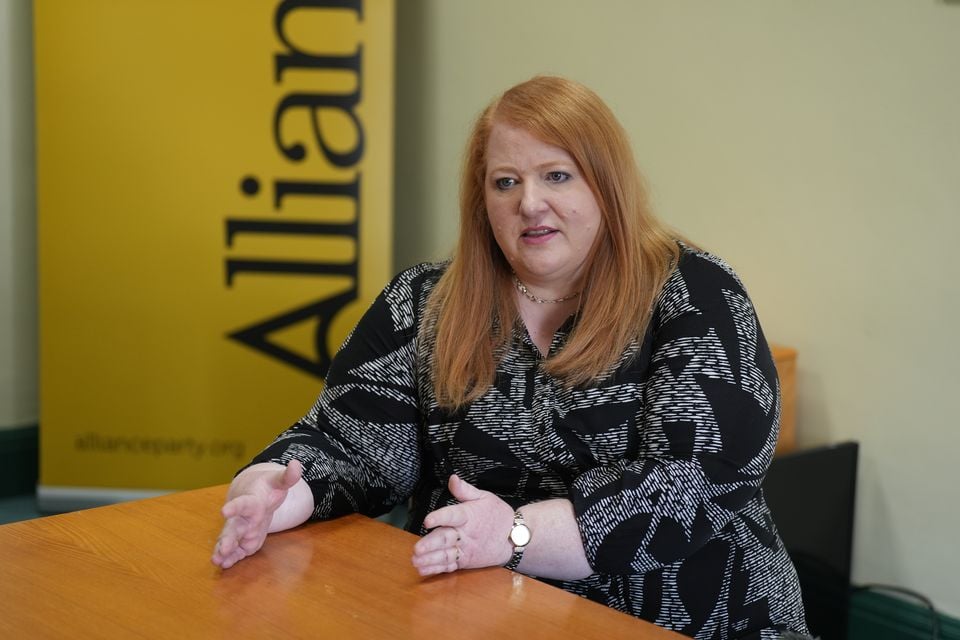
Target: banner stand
<point>214,185</point>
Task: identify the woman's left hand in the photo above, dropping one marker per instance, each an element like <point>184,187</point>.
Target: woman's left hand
<point>468,535</point>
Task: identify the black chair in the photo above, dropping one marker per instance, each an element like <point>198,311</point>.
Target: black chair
<point>811,494</point>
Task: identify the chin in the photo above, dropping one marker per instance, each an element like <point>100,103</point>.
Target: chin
<point>548,268</point>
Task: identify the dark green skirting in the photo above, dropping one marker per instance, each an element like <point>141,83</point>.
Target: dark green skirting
<point>875,615</point>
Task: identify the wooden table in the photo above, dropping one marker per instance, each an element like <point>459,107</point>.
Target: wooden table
<point>142,570</point>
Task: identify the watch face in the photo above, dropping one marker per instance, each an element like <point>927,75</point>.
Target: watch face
<point>520,535</point>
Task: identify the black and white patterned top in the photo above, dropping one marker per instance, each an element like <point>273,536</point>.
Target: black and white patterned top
<point>662,460</point>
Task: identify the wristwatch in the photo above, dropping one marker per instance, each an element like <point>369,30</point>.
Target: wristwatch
<point>519,538</point>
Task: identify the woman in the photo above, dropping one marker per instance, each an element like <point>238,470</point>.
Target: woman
<point>576,395</point>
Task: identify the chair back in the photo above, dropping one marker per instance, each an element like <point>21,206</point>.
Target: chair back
<point>811,494</point>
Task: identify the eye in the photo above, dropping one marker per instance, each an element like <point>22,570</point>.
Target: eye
<point>504,183</point>
<point>557,176</point>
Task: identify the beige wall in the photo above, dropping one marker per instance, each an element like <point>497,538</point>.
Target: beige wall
<point>816,146</point>
<point>18,331</point>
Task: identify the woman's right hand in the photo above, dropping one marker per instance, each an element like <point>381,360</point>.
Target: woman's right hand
<point>253,500</point>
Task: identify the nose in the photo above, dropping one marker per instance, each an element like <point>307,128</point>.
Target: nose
<point>532,200</point>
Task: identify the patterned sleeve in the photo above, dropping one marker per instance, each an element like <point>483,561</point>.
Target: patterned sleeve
<point>708,426</point>
<point>360,443</point>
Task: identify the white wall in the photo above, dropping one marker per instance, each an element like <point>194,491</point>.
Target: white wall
<point>18,323</point>
<point>816,146</point>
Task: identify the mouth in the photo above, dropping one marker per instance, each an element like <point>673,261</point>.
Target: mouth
<point>538,233</point>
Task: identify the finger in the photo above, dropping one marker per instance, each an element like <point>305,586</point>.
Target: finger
<point>440,561</point>
<point>436,554</point>
<point>463,490</point>
<point>218,557</point>
<point>227,552</point>
<point>224,561</point>
<point>226,545</point>
<point>437,557</point>
<point>452,516</point>
<point>228,561</point>
<point>232,508</point>
<point>439,538</point>
<point>245,506</point>
<point>435,569</point>
<point>245,529</point>
<point>234,539</point>
<point>233,533</point>
<point>291,475</point>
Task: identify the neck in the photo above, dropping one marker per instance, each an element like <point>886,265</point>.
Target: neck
<point>529,295</point>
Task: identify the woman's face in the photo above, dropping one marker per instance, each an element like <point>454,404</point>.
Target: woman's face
<point>542,211</point>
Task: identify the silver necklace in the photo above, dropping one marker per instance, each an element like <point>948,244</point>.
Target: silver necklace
<point>522,288</point>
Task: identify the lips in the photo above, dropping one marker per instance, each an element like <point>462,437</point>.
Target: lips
<point>538,232</point>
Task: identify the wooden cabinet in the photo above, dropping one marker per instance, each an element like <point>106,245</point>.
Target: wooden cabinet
<point>785,359</point>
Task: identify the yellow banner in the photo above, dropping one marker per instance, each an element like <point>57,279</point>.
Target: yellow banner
<point>214,184</point>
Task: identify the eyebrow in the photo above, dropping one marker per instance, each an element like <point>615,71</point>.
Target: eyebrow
<point>540,167</point>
